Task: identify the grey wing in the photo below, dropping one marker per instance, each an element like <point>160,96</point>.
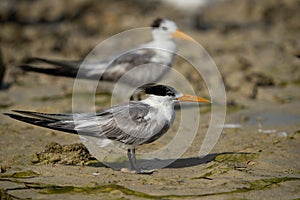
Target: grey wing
<point>111,69</point>
<point>137,66</point>
<point>127,123</point>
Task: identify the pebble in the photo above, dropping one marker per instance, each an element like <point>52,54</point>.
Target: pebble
<point>267,130</point>
<point>232,126</point>
<point>96,173</point>
<point>282,134</point>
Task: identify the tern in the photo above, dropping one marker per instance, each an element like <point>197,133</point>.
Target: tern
<point>153,58</point>
<point>131,124</point>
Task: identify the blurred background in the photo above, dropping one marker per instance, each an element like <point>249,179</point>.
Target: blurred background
<point>254,43</point>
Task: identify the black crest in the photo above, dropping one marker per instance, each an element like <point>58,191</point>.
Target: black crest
<point>156,23</point>
<point>159,90</point>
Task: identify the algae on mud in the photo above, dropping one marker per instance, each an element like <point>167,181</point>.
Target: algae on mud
<point>260,184</point>
<point>23,174</point>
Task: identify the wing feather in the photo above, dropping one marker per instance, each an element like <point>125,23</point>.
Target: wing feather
<point>126,123</point>
<point>111,69</point>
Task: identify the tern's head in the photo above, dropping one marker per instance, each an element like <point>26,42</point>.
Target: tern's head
<point>169,93</point>
<point>164,29</point>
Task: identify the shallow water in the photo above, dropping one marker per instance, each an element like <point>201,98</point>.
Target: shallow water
<point>273,119</point>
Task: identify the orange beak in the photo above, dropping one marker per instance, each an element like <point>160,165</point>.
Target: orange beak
<point>181,35</point>
<point>190,98</point>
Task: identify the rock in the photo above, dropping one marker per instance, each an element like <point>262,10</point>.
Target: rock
<point>62,154</point>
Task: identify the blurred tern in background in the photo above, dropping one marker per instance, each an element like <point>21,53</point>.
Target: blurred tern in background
<point>161,50</point>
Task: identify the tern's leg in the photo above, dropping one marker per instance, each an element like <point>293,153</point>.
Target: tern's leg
<point>133,157</point>
<point>132,160</point>
<point>129,158</point>
<point>133,165</point>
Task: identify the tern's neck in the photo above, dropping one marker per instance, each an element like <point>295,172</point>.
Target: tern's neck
<point>161,43</point>
<point>164,106</point>
<point>165,50</point>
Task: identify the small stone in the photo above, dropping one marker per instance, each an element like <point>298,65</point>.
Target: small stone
<point>96,173</point>
<point>250,163</point>
<point>35,158</point>
<point>128,171</point>
<point>282,134</point>
<point>116,193</point>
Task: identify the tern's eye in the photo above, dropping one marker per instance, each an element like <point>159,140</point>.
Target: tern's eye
<point>164,28</point>
<point>169,93</point>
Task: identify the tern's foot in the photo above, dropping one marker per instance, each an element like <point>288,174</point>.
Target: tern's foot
<point>138,171</point>
<point>126,170</point>
<point>146,171</point>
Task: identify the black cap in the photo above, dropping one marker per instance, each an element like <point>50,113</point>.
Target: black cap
<point>156,23</point>
<point>159,90</point>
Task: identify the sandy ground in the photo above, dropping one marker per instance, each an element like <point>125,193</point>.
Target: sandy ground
<point>255,46</point>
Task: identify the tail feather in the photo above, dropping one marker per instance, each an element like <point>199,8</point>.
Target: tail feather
<point>46,116</point>
<point>46,123</point>
<point>60,63</point>
<point>56,71</point>
<point>62,68</point>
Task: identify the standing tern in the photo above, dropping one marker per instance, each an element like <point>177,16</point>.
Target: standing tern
<point>134,123</point>
<point>160,50</point>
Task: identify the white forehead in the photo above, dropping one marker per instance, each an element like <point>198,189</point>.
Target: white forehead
<point>169,24</point>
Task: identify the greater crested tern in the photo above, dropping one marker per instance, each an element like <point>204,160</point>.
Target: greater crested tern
<point>161,50</point>
<point>131,124</point>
